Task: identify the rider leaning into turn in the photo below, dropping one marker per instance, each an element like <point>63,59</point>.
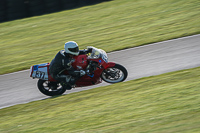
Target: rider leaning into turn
<point>63,61</point>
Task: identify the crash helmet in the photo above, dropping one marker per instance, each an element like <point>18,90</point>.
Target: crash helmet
<point>71,47</point>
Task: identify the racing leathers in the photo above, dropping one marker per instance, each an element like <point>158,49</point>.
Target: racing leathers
<point>62,62</point>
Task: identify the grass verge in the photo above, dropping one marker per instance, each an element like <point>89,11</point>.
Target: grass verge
<point>165,103</point>
<point>112,25</point>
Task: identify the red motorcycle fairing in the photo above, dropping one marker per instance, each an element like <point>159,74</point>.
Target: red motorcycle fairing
<point>80,62</point>
<point>93,79</point>
<point>109,65</point>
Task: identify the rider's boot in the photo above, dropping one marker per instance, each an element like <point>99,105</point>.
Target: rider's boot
<point>69,82</point>
<point>65,85</point>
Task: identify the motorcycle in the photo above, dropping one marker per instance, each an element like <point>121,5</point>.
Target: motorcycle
<point>97,66</point>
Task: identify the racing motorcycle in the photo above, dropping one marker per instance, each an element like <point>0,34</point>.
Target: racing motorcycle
<point>97,66</point>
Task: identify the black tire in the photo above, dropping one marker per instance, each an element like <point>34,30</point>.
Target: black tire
<point>116,74</point>
<point>51,88</point>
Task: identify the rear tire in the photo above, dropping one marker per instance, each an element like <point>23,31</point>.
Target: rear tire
<point>50,88</point>
<point>115,74</point>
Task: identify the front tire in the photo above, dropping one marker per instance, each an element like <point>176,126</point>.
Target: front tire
<point>115,74</point>
<point>50,88</point>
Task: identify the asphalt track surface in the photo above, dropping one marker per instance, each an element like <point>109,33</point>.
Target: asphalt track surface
<point>143,61</point>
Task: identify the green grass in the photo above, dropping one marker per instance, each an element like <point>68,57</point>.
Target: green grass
<point>167,103</point>
<point>113,25</point>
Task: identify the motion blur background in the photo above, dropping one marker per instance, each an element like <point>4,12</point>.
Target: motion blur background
<point>16,9</point>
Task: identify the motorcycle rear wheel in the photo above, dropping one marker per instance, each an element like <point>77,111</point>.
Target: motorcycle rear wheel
<point>50,88</point>
<point>115,74</point>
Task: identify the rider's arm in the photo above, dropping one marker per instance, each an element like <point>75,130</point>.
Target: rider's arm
<point>81,52</point>
<point>71,70</point>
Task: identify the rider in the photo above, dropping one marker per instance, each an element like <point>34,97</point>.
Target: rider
<point>63,61</point>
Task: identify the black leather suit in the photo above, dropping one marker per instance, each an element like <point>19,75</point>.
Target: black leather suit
<point>62,62</point>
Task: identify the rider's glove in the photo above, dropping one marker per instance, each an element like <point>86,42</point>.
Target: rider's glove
<point>87,71</point>
<point>82,72</point>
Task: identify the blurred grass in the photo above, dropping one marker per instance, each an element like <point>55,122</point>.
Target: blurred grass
<point>167,103</point>
<point>113,25</point>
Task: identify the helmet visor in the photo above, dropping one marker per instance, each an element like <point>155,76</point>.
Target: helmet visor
<point>76,49</point>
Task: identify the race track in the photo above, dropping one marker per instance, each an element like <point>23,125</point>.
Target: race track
<point>143,61</point>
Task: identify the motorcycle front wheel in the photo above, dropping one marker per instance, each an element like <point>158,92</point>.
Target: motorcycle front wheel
<point>115,74</point>
<point>50,88</point>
